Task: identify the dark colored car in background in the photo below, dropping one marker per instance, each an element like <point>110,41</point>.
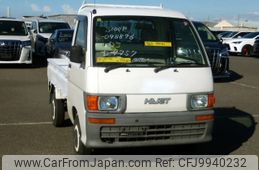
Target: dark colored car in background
<point>256,48</point>
<point>217,52</point>
<point>59,41</point>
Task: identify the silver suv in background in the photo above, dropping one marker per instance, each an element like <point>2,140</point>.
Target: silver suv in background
<point>15,42</point>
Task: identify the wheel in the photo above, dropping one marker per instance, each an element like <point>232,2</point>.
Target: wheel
<point>57,110</point>
<point>246,51</point>
<point>78,145</point>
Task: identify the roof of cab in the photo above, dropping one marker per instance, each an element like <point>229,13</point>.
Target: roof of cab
<point>128,10</point>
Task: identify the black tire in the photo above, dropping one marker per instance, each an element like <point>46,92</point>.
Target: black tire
<point>57,111</point>
<point>247,51</point>
<point>78,146</point>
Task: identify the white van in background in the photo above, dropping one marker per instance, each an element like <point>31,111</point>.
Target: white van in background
<point>15,42</point>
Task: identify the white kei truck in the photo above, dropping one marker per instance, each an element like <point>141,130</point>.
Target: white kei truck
<point>136,76</point>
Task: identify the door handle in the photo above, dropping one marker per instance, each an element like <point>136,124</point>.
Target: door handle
<point>69,65</point>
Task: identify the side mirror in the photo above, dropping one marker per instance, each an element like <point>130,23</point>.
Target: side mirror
<point>76,54</point>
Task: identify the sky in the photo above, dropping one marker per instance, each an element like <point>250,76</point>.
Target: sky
<point>202,10</point>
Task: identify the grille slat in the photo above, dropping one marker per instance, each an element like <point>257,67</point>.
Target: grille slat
<point>218,64</point>
<point>152,132</point>
<point>152,136</point>
<point>10,50</point>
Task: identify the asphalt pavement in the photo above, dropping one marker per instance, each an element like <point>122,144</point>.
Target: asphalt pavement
<point>26,128</point>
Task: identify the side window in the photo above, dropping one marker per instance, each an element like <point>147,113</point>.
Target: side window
<point>81,35</point>
<point>33,25</point>
<point>79,46</point>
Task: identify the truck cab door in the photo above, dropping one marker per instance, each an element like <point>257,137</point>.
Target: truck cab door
<point>76,70</point>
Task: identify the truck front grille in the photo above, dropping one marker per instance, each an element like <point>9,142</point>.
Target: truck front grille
<point>218,64</point>
<point>174,132</point>
<point>10,50</point>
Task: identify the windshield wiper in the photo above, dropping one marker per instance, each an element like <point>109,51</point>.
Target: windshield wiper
<point>189,64</point>
<point>158,69</point>
<point>112,67</point>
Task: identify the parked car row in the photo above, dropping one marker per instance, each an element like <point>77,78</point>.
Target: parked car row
<point>244,45</point>
<point>240,43</point>
<point>25,42</point>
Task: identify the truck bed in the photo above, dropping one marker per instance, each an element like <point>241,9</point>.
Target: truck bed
<point>57,75</point>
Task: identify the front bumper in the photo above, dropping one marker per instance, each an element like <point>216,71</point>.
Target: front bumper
<point>234,48</point>
<point>24,58</point>
<point>220,67</point>
<point>148,129</point>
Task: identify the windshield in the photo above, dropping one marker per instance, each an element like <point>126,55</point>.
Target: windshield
<point>251,35</point>
<point>230,34</point>
<point>50,27</point>
<point>240,35</point>
<point>13,28</point>
<point>145,42</point>
<point>65,36</point>
<point>205,34</point>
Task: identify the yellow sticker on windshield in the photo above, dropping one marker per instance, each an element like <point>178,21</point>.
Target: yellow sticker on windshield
<point>158,44</point>
<point>113,60</point>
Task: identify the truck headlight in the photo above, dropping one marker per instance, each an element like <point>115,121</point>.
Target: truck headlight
<point>105,103</point>
<point>108,103</point>
<point>201,101</point>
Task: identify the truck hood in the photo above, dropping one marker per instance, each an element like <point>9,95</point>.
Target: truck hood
<point>146,81</point>
<point>21,38</point>
<point>139,84</point>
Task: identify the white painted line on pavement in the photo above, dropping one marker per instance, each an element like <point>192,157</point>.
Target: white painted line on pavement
<point>25,124</point>
<point>245,85</point>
